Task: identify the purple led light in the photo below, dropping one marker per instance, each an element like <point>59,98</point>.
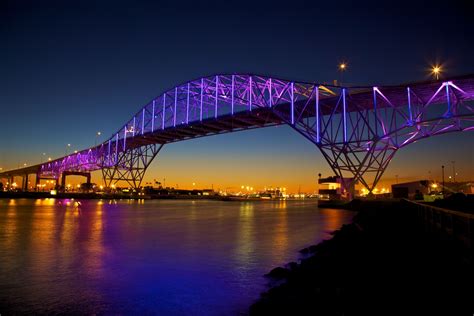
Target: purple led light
<point>153,117</point>
<point>410,113</point>
<point>318,137</point>
<point>216,96</point>
<point>164,111</point>
<point>175,105</point>
<point>187,106</point>
<point>292,97</point>
<point>375,111</point>
<point>143,121</point>
<point>250,93</point>
<point>448,99</point>
<point>344,113</point>
<point>124,137</point>
<point>270,96</point>
<point>202,92</point>
<point>232,95</point>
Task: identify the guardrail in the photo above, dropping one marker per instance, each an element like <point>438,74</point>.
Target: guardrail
<point>448,223</point>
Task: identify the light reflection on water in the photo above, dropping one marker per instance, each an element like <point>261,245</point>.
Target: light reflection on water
<point>162,256</point>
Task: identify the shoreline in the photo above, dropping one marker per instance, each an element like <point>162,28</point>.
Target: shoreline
<point>381,263</point>
<point>117,196</point>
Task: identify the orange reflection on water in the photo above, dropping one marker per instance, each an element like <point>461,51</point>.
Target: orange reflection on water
<point>280,240</point>
<point>334,219</point>
<point>245,237</point>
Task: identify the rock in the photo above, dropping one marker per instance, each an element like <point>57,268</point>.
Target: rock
<point>292,266</point>
<point>278,273</point>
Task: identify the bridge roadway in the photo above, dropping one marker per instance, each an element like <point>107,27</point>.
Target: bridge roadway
<point>358,129</point>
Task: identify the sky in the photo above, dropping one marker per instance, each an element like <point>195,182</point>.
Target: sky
<point>69,69</point>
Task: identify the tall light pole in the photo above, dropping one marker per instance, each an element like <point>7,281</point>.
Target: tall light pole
<point>342,67</point>
<point>43,157</point>
<point>442,172</point>
<point>67,148</point>
<point>454,170</point>
<point>97,136</point>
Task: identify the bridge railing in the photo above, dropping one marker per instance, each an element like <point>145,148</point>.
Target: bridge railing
<point>448,224</point>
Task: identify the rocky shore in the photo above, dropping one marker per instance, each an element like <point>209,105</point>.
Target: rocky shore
<point>381,264</point>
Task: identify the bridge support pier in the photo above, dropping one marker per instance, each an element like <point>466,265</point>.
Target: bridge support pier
<point>130,165</point>
<point>24,182</point>
<point>74,173</point>
<point>359,163</point>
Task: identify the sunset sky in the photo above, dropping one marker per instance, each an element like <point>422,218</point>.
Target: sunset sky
<point>71,69</point>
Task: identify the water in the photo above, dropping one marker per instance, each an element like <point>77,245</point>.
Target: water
<point>167,257</point>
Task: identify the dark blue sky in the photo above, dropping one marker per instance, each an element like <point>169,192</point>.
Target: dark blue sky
<point>72,68</point>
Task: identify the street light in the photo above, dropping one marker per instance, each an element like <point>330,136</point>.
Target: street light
<point>454,170</point>
<point>96,137</point>
<point>442,172</point>
<point>67,148</point>
<point>436,71</point>
<point>342,67</point>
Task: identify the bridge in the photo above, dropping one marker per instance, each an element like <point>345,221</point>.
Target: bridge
<point>357,129</point>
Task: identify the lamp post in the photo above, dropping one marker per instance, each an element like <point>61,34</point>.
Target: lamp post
<point>342,68</point>
<point>454,170</point>
<point>97,136</point>
<point>442,172</point>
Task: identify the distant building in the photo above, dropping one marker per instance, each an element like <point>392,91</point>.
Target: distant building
<point>332,188</point>
<point>414,190</point>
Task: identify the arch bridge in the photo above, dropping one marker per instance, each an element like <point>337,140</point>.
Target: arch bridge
<point>357,129</point>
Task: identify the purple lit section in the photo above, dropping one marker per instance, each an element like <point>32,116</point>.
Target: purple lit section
<point>153,117</point>
<point>175,105</point>
<point>124,137</point>
<point>143,121</point>
<point>202,95</point>
<point>292,96</point>
<point>270,92</point>
<point>318,136</point>
<point>375,110</point>
<point>107,151</point>
<point>232,94</point>
<point>187,105</point>
<point>116,146</point>
<point>448,100</point>
<point>250,93</point>
<point>410,113</point>
<point>164,111</point>
<point>216,97</point>
<point>344,113</point>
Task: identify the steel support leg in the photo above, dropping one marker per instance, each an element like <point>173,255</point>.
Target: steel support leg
<point>130,166</point>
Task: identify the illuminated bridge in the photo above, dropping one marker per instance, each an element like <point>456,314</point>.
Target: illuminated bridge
<point>358,129</point>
